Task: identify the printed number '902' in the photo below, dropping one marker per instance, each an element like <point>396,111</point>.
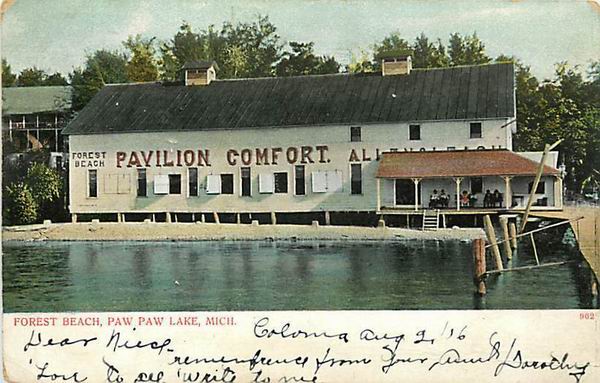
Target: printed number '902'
<point>588,315</point>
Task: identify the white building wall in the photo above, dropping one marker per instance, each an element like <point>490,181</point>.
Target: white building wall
<point>439,135</point>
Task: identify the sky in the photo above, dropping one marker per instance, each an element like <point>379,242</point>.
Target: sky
<point>56,35</point>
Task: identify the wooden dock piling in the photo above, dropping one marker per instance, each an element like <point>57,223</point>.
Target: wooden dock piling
<point>479,267</point>
<point>216,216</point>
<point>507,249</point>
<point>512,229</point>
<point>273,218</point>
<point>491,235</point>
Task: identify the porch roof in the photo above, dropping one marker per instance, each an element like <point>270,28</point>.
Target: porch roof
<point>459,163</point>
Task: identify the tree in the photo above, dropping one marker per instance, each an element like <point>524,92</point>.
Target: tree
<point>31,77</point>
<point>142,64</point>
<point>241,50</point>
<point>392,45</point>
<point>55,79</point>
<point>360,64</point>
<point>428,55</point>
<point>302,61</point>
<point>101,67</point>
<point>468,50</point>
<point>19,206</point>
<point>8,78</point>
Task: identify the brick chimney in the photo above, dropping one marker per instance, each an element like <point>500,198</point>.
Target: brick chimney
<point>396,65</point>
<point>199,72</point>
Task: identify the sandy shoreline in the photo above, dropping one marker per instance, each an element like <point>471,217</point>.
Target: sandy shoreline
<point>211,231</point>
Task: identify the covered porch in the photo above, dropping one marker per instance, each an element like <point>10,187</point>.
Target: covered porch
<point>461,181</point>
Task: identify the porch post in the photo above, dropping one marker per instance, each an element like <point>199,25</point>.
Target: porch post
<point>507,192</point>
<point>10,130</point>
<point>416,182</point>
<point>378,180</point>
<point>458,180</point>
<point>558,192</point>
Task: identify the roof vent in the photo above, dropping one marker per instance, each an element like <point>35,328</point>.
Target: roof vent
<point>396,65</point>
<point>200,72</point>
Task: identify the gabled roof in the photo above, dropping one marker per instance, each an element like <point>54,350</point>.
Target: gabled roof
<point>457,93</point>
<point>199,65</point>
<point>36,99</point>
<point>459,163</point>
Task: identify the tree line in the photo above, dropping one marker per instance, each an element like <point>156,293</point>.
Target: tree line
<point>563,107</point>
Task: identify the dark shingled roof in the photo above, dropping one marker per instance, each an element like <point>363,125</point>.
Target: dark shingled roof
<point>462,163</point>
<point>458,93</point>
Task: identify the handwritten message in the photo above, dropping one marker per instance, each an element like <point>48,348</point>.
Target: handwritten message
<point>503,346</point>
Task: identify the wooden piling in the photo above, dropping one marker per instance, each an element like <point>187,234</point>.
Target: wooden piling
<point>327,219</point>
<point>507,249</point>
<point>535,253</point>
<point>512,230</point>
<point>74,218</point>
<point>168,217</point>
<point>153,217</point>
<point>202,217</point>
<point>479,267</point>
<point>216,217</point>
<point>119,217</point>
<point>273,218</point>
<point>238,219</point>
<point>491,235</point>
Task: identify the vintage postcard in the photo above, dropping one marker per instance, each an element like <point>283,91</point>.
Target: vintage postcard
<point>300,191</point>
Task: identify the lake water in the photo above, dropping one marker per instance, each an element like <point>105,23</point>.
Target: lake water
<point>221,275</point>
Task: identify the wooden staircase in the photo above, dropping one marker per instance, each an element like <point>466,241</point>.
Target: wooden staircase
<point>431,220</point>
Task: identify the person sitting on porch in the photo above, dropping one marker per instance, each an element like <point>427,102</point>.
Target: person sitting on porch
<point>487,199</point>
<point>472,200</point>
<point>444,198</point>
<point>497,198</point>
<point>433,199</point>
<point>464,198</point>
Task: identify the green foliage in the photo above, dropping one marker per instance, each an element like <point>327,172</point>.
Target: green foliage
<point>101,67</point>
<point>55,79</point>
<point>427,54</point>
<point>31,77</point>
<point>8,77</point>
<point>560,109</point>
<point>360,64</point>
<point>142,65</point>
<point>467,50</point>
<point>302,61</point>
<point>20,207</point>
<point>241,50</point>
<point>45,183</point>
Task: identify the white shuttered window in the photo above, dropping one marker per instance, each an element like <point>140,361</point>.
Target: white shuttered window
<point>266,183</point>
<point>161,184</point>
<point>213,184</point>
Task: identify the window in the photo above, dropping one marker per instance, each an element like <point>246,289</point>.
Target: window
<point>300,180</point>
<point>226,183</point>
<point>174,183</point>
<point>327,181</point>
<point>475,128</point>
<point>414,132</point>
<point>266,183</point>
<point>213,184</point>
<point>161,184</point>
<point>476,185</point>
<point>92,183</point>
<point>193,182</point>
<point>356,179</point>
<point>141,183</point>
<point>281,182</point>
<point>541,188</point>
<point>355,134</point>
<point>246,186</point>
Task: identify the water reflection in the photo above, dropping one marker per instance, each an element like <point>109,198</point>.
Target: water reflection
<point>128,276</point>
